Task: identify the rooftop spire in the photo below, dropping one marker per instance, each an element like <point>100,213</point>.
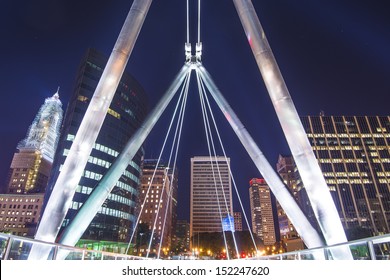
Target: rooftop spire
<point>57,95</point>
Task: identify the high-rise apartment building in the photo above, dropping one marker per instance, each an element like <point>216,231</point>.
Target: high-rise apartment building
<point>211,194</point>
<point>237,221</point>
<point>354,155</point>
<point>32,163</point>
<point>182,238</point>
<point>158,202</point>
<point>261,211</point>
<point>115,220</point>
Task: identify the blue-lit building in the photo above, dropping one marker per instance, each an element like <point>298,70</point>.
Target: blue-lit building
<point>113,224</point>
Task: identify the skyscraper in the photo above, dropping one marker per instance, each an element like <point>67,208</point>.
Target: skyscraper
<point>182,238</point>
<point>32,163</point>
<point>354,155</point>
<point>211,194</point>
<point>114,221</point>
<point>158,201</point>
<point>237,221</point>
<point>289,173</point>
<point>261,211</point>
<point>30,170</point>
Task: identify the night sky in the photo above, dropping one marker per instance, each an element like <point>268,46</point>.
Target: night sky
<point>334,56</point>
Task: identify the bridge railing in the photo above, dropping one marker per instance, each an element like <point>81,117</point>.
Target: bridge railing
<point>14,247</point>
<point>372,248</point>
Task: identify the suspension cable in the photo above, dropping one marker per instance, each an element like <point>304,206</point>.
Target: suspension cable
<point>154,173</point>
<point>204,113</point>
<point>183,102</point>
<point>159,158</point>
<point>221,144</point>
<point>181,120</point>
<point>231,173</point>
<point>198,21</point>
<point>212,139</point>
<point>188,23</point>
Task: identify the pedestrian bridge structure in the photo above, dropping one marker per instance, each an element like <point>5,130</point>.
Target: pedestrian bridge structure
<point>333,245</point>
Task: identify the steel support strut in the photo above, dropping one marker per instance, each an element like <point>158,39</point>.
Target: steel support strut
<point>87,212</point>
<point>311,174</point>
<point>308,234</point>
<point>69,177</point>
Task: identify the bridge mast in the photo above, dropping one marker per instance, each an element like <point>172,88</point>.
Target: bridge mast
<point>67,182</point>
<point>312,177</point>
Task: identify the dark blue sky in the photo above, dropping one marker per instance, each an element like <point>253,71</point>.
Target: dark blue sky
<point>334,56</point>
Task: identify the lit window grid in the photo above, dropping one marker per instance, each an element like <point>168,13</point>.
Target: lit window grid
<point>104,149</point>
<point>344,158</point>
<point>107,211</point>
<point>110,111</point>
<point>17,210</point>
<point>112,197</point>
<point>97,176</point>
<point>154,195</point>
<point>262,213</point>
<point>205,215</point>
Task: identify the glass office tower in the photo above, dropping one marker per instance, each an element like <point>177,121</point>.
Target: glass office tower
<point>114,221</point>
<point>354,155</point>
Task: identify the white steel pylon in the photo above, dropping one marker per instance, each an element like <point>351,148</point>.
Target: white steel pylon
<point>309,170</point>
<point>322,202</point>
<point>73,167</point>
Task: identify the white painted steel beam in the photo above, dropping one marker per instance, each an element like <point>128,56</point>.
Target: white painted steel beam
<point>73,232</point>
<point>308,234</point>
<point>69,177</point>
<point>309,170</point>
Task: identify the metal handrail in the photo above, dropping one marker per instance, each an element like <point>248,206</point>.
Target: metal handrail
<point>9,239</point>
<point>370,242</point>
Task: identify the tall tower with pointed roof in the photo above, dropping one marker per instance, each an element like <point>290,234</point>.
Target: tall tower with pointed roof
<point>32,162</point>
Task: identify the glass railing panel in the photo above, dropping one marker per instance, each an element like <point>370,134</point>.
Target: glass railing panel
<point>315,254</point>
<point>3,246</point>
<point>290,257</point>
<point>124,258</point>
<point>338,252</point>
<point>92,255</point>
<point>360,251</point>
<point>108,257</point>
<point>382,251</point>
<point>69,254</point>
<point>21,248</point>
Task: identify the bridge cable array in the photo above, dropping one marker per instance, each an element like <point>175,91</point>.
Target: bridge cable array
<point>207,114</point>
<point>183,97</point>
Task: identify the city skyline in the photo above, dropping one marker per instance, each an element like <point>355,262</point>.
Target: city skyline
<point>338,82</point>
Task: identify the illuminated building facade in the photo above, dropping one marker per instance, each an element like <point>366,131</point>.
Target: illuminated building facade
<point>288,172</point>
<point>211,194</point>
<point>158,201</point>
<point>354,155</point>
<point>29,172</point>
<point>114,221</point>
<point>19,213</point>
<point>32,163</point>
<point>182,236</point>
<point>261,211</point>
<point>237,221</point>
